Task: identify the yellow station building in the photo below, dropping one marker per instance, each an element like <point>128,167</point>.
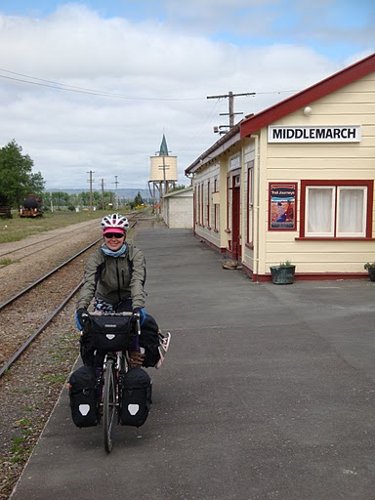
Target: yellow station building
<point>295,182</point>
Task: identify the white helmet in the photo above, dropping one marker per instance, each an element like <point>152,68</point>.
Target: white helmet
<point>115,221</point>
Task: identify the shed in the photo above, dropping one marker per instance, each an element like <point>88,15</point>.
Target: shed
<point>177,208</point>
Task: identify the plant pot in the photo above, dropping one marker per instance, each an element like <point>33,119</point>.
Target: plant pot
<point>371,273</point>
<point>282,275</point>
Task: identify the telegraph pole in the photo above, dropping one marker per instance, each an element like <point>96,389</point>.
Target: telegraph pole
<point>230,96</point>
<point>90,181</point>
<point>102,184</point>
<point>116,195</point>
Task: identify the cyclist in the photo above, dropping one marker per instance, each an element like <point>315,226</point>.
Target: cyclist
<point>114,277</point>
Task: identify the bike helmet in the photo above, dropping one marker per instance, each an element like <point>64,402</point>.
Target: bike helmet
<point>114,223</point>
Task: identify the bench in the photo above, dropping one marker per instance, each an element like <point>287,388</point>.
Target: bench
<point>5,212</point>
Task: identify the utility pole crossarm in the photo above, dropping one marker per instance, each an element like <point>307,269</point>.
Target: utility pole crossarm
<point>230,94</point>
<point>231,97</point>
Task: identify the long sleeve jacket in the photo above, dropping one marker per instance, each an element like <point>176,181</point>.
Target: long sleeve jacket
<point>114,279</point>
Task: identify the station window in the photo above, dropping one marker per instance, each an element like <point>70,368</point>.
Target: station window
<point>202,204</point>
<point>216,208</point>
<point>208,207</point>
<point>336,209</point>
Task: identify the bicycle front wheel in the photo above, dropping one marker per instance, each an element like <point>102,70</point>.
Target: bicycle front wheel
<point>109,404</point>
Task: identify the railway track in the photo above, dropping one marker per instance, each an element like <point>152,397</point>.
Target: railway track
<point>34,307</point>
<point>30,388</point>
<point>39,244</point>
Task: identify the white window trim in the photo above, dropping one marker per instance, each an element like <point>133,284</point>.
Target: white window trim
<point>335,207</point>
<point>362,233</point>
<point>315,234</point>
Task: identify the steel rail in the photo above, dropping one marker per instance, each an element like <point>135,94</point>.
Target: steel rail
<point>35,243</point>
<point>45,276</point>
<point>35,334</point>
<point>24,247</point>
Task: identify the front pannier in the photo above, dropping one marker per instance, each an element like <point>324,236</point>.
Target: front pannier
<point>109,333</point>
<point>84,403</point>
<point>135,397</point>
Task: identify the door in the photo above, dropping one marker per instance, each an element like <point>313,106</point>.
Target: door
<point>236,243</point>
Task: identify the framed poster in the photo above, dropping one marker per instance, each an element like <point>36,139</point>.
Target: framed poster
<point>282,206</point>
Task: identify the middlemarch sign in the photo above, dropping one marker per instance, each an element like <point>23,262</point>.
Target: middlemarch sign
<point>316,133</point>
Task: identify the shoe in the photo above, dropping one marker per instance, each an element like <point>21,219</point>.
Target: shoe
<point>136,359</point>
<point>163,347</point>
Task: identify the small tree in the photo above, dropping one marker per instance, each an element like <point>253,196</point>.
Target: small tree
<point>138,200</point>
<point>17,179</point>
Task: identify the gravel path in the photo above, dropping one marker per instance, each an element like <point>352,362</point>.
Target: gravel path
<point>28,392</point>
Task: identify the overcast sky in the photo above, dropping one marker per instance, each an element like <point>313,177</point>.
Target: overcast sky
<point>93,85</point>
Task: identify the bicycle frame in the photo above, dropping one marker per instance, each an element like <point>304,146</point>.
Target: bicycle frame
<point>115,365</point>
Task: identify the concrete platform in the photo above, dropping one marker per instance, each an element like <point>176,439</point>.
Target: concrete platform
<point>267,393</point>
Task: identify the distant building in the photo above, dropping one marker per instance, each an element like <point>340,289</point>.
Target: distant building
<point>177,208</point>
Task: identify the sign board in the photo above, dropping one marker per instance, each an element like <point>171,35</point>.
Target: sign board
<point>314,133</point>
<point>216,198</point>
<point>282,205</point>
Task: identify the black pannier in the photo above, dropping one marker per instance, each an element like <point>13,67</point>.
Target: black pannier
<point>149,340</point>
<point>84,403</point>
<point>135,397</point>
<point>109,333</point>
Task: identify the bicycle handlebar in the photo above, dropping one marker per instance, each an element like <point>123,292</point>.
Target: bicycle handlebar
<point>126,314</point>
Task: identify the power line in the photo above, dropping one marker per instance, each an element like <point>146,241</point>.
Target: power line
<point>71,88</point>
<point>100,93</point>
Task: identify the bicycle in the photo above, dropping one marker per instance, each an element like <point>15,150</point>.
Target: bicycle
<point>110,383</point>
<point>113,340</point>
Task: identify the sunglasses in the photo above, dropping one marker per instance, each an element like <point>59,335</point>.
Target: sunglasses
<point>114,235</point>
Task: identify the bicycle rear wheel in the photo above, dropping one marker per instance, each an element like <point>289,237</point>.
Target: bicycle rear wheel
<point>109,404</point>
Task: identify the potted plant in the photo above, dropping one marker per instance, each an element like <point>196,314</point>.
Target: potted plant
<point>283,274</point>
<point>370,267</point>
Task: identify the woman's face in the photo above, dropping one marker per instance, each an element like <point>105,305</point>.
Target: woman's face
<point>114,241</point>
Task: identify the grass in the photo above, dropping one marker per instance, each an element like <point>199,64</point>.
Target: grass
<point>21,446</point>
<point>6,262</point>
<point>54,378</point>
<point>17,228</point>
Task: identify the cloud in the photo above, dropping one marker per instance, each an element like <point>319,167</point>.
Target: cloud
<point>108,88</point>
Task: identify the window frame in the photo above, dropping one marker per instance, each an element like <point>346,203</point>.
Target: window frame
<point>336,185</point>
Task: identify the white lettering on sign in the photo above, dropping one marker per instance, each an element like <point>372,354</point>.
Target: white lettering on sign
<point>335,133</point>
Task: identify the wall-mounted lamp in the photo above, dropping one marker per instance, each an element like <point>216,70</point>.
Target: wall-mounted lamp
<point>307,111</point>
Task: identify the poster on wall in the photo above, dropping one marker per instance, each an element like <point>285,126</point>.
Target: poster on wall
<point>282,210</point>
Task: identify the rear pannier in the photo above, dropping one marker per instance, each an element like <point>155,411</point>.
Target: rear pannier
<point>84,402</point>
<point>135,397</point>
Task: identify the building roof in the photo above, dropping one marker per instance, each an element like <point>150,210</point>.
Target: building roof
<point>217,148</point>
<point>179,192</point>
<point>327,86</point>
<point>253,123</point>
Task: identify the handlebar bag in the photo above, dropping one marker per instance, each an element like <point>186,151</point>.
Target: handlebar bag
<point>84,403</point>
<point>135,397</point>
<point>109,333</point>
